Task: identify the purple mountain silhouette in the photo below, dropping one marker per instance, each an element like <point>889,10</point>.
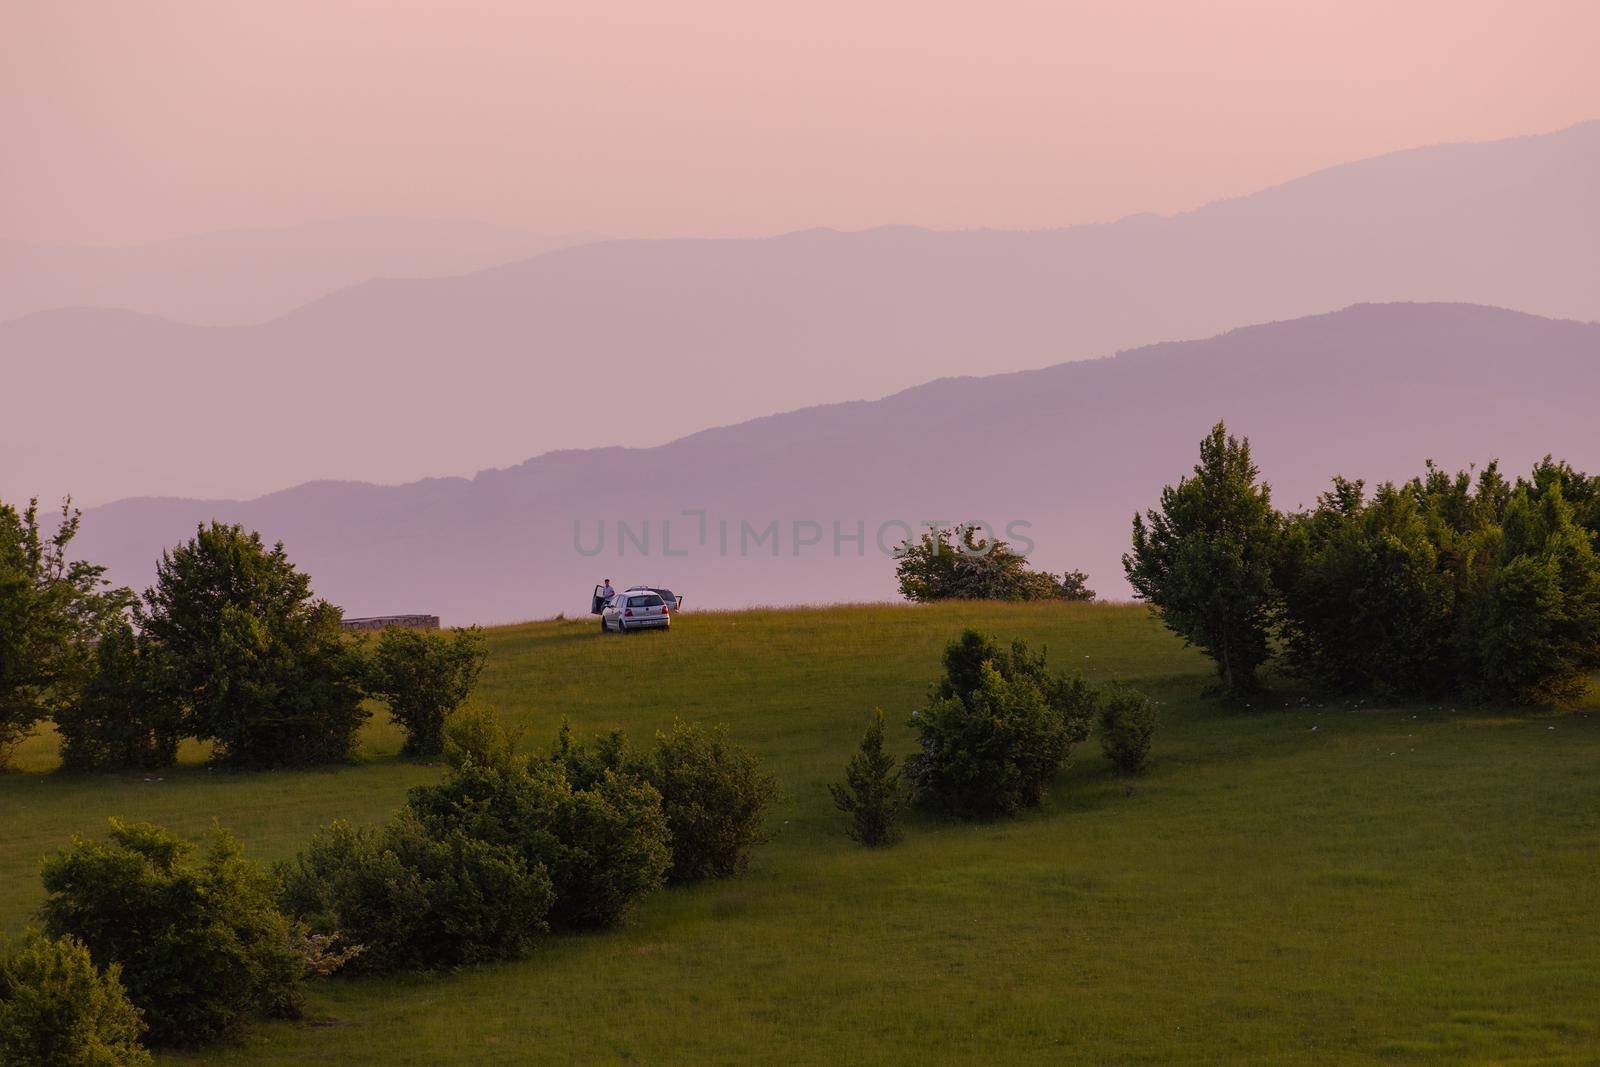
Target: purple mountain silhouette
<point>237,277</point>
<point>640,342</point>
<point>1371,391</point>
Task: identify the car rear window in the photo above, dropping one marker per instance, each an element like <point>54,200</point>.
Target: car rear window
<point>651,601</point>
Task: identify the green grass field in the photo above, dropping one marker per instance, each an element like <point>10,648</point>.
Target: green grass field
<point>1286,885</point>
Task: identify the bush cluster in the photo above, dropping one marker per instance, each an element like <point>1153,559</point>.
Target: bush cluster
<point>58,1010</point>
<point>482,864</point>
<point>603,846</point>
<point>198,937</point>
<point>478,867</point>
<point>414,899</point>
<point>713,792</point>
<point>1444,584</point>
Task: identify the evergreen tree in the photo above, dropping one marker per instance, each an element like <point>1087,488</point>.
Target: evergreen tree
<point>1204,561</point>
<point>871,793</point>
<point>1534,634</point>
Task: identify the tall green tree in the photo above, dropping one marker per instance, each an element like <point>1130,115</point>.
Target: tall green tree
<point>126,715</point>
<point>52,609</point>
<point>258,660</point>
<point>1368,598</point>
<point>1534,634</point>
<point>1205,559</point>
<point>424,676</point>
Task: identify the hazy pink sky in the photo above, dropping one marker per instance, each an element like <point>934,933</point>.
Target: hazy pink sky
<point>126,122</point>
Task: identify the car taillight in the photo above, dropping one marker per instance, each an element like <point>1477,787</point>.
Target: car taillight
<point>665,610</point>
<point>628,613</point>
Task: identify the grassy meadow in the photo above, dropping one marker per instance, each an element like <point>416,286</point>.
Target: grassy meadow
<point>1288,883</point>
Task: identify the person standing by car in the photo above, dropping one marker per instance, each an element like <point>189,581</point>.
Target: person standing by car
<point>607,592</point>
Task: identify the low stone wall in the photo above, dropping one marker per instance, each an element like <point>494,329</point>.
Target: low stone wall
<point>383,622</point>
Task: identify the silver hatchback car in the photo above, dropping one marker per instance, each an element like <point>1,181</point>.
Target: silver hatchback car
<point>636,609</point>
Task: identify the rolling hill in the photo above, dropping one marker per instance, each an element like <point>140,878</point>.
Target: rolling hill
<point>637,343</point>
<point>1370,391</point>
<point>1307,885</point>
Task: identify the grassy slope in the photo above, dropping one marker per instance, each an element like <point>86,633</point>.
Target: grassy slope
<point>1291,885</point>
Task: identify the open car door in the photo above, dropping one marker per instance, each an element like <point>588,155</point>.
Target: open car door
<point>598,604</point>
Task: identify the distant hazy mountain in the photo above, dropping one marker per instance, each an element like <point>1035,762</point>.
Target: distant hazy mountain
<point>240,277</point>
<point>1372,391</point>
<point>640,342</point>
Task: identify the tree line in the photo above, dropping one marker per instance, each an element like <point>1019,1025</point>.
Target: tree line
<point>1463,584</point>
<point>228,646</point>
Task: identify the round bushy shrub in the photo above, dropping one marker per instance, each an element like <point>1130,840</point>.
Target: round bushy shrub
<point>404,897</point>
<point>613,850</point>
<point>58,1010</point>
<point>998,728</point>
<point>199,938</point>
<point>474,733</point>
<point>1127,723</point>
<point>714,795</point>
<point>605,846</point>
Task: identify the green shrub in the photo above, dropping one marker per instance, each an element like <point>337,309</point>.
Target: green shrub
<point>587,762</point>
<point>259,663</point>
<point>605,845</point>
<point>1127,723</point>
<point>871,793</point>
<point>996,731</point>
<point>126,716</point>
<point>424,676</point>
<point>408,898</point>
<point>474,734</point>
<point>57,1010</point>
<point>714,794</point>
<point>199,938</point>
<point>614,850</point>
